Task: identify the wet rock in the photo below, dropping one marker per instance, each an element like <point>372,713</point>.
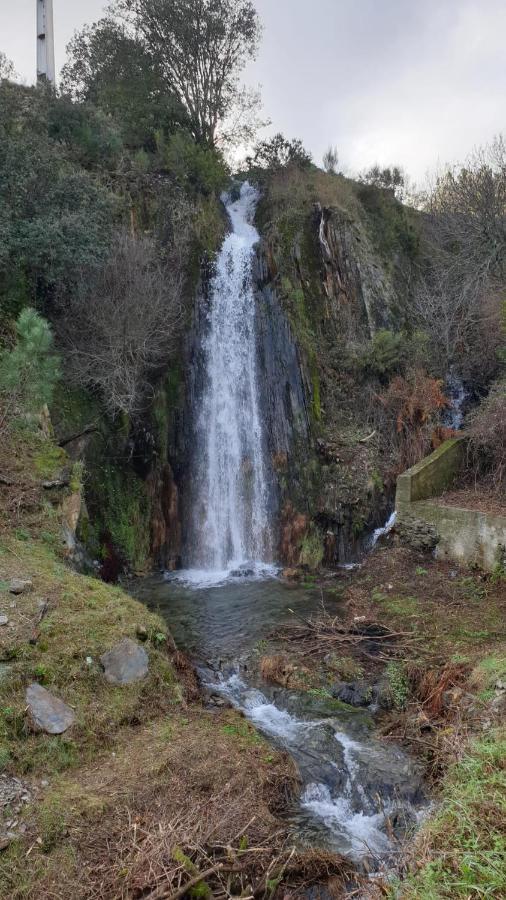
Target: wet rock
<point>291,574</point>
<point>20,585</point>
<point>354,693</point>
<point>125,663</point>
<point>242,573</point>
<point>47,713</point>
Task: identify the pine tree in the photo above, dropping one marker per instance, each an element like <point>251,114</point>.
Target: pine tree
<point>29,372</point>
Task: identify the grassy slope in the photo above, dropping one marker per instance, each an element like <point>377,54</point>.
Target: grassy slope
<point>144,753</point>
<point>458,619</point>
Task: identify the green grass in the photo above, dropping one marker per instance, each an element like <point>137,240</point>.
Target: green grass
<point>86,618</point>
<point>465,842</point>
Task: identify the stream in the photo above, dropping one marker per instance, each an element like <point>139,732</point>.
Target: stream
<point>359,796</point>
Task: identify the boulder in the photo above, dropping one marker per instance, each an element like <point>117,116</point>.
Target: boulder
<point>47,713</point>
<point>125,663</point>
<point>354,693</point>
<point>20,585</point>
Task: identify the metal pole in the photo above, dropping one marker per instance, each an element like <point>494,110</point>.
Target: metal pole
<point>45,42</point>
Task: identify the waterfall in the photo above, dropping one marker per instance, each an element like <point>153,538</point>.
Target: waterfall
<point>230,515</point>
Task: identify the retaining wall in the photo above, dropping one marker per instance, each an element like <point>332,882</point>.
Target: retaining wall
<point>468,536</point>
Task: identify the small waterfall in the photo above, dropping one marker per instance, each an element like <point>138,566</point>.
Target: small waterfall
<point>230,527</point>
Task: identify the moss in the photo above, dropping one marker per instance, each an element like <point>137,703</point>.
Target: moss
<point>312,550</point>
<point>124,513</point>
<point>49,459</point>
<point>86,618</point>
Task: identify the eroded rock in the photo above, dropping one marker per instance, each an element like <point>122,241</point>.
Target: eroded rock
<point>47,712</point>
<point>125,663</point>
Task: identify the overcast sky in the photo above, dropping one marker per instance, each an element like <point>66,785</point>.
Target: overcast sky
<point>390,81</point>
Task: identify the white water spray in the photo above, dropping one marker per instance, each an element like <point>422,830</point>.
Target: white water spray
<point>230,515</point>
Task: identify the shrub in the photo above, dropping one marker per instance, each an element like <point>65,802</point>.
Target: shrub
<point>29,371</point>
<point>411,408</point>
<point>487,430</point>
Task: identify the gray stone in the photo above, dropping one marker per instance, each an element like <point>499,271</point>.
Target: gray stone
<point>20,585</point>
<point>4,620</point>
<point>48,713</point>
<point>125,663</point>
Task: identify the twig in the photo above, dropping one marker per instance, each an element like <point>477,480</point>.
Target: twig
<point>162,894</point>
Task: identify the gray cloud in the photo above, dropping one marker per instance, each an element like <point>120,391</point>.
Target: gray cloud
<point>408,81</point>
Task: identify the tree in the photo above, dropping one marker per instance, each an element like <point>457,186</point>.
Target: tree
<point>119,327</point>
<point>458,298</point>
<point>391,178</point>
<point>28,372</point>
<point>6,67</point>
<point>199,47</point>
<point>331,160</point>
<point>278,153</point>
<point>112,68</point>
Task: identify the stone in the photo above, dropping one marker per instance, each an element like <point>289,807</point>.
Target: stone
<point>142,632</point>
<point>354,693</point>
<point>20,585</point>
<point>47,712</point>
<point>125,663</point>
<point>4,620</point>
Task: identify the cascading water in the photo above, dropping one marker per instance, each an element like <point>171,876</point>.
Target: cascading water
<point>230,527</point>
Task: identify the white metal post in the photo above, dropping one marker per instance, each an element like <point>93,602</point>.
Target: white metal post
<point>45,42</point>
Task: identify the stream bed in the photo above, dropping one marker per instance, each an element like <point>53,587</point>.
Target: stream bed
<point>360,796</point>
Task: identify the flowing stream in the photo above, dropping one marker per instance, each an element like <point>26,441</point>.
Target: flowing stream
<point>359,795</point>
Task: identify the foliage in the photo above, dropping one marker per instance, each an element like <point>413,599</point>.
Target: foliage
<point>411,407</point>
<point>464,843</point>
<point>458,300</point>
<point>122,323</point>
<point>487,430</point>
<point>398,683</point>
<point>6,67</point>
<point>391,178</point>
<point>311,551</point>
<point>29,371</point>
<point>198,47</point>
<point>278,153</point>
<point>111,68</point>
<point>55,218</point>
<point>393,229</point>
<point>199,169</point>
<point>331,160</point>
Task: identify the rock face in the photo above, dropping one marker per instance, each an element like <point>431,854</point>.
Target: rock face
<point>47,713</point>
<point>125,663</point>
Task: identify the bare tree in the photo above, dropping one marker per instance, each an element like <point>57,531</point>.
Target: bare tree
<point>331,160</point>
<point>121,326</point>
<point>458,299</point>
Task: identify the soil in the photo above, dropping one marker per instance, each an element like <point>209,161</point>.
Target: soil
<point>481,499</point>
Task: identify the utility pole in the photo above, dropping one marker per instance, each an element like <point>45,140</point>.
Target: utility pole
<point>45,42</point>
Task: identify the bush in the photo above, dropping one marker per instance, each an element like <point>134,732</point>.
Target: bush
<point>28,372</point>
<point>198,169</point>
<point>487,430</point>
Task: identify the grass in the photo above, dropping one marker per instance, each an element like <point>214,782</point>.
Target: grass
<point>463,848</point>
<point>85,619</point>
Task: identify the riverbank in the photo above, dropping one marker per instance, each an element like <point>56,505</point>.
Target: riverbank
<point>436,665</point>
<point>146,787</point>
<point>131,800</point>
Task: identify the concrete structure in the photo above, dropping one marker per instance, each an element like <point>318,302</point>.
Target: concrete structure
<point>468,536</point>
<point>46,71</point>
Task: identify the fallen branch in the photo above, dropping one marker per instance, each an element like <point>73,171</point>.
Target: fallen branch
<point>161,893</point>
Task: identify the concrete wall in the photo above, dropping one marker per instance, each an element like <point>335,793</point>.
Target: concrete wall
<point>468,536</point>
<point>432,476</point>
